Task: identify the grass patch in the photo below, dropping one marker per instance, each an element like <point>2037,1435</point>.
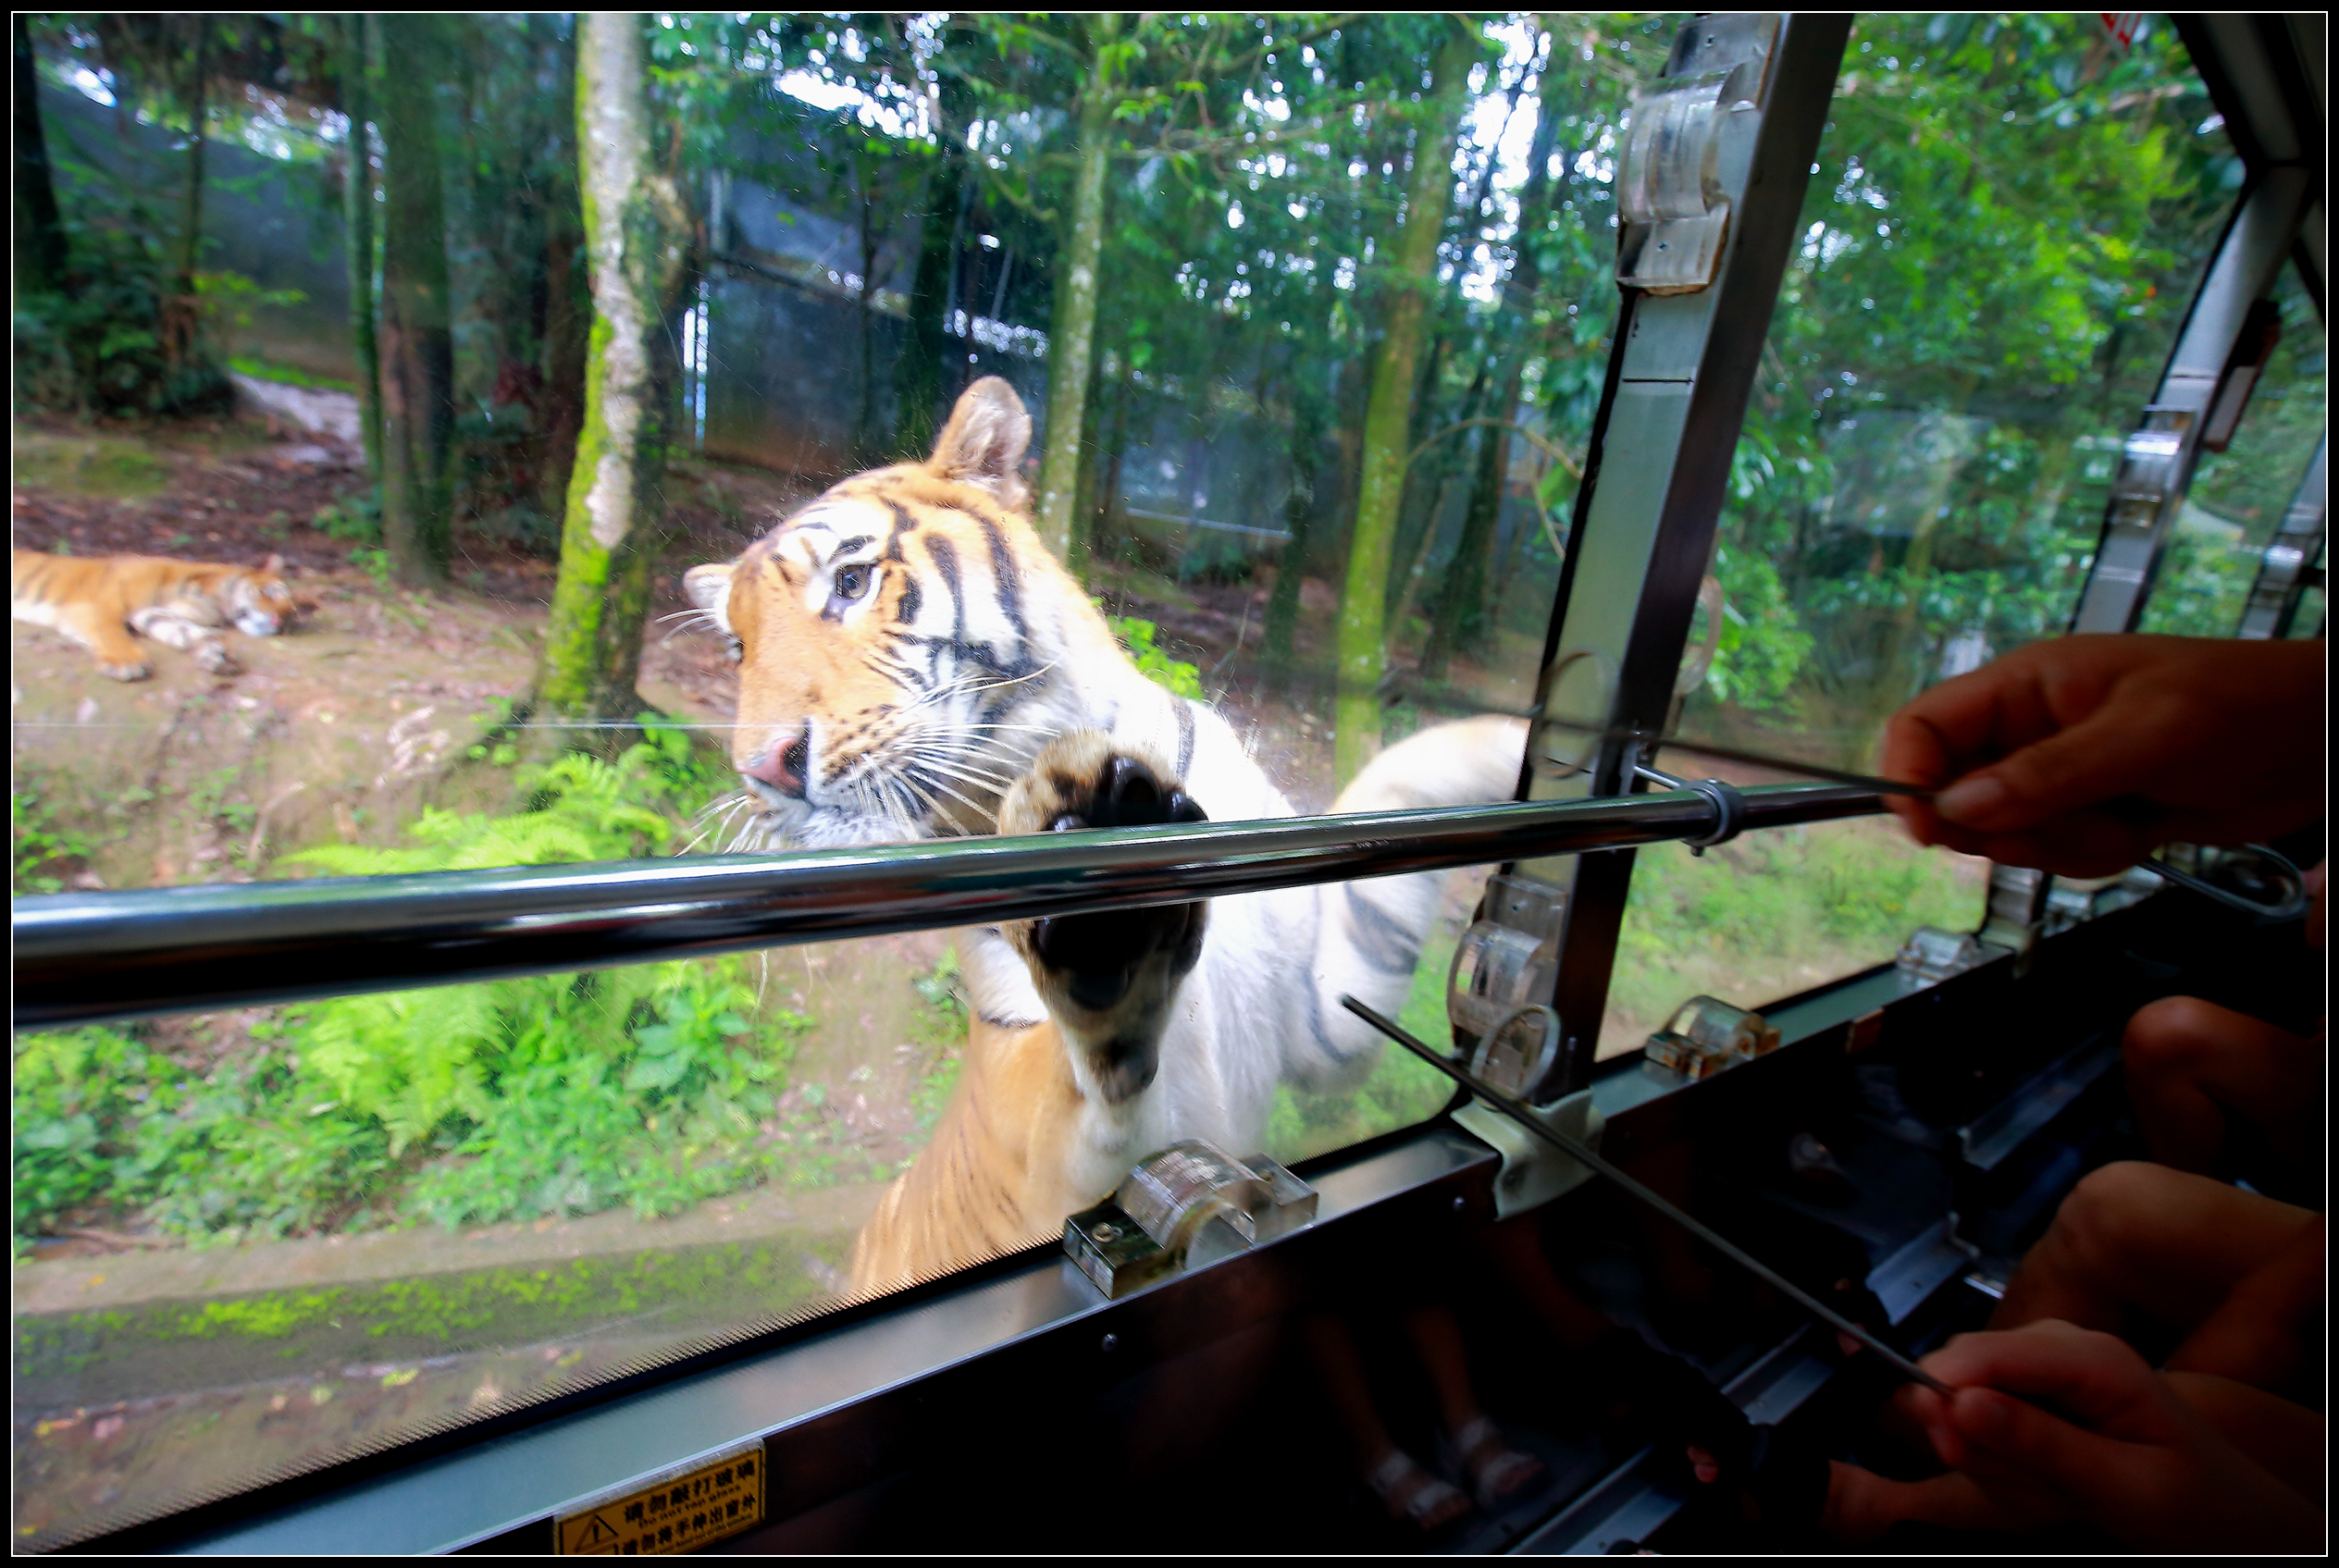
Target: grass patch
<point>106,466</point>
<point>87,1357</point>
<point>1398,1092</point>
<point>285,375</point>
<point>1771,915</point>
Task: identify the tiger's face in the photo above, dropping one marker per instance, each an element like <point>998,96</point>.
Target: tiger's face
<point>258,602</point>
<point>900,643</point>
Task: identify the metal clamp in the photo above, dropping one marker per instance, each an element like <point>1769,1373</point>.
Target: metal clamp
<point>1729,805</point>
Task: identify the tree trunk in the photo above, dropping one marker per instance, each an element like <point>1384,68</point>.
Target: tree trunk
<point>417,341</point>
<point>869,446</point>
<point>41,253</point>
<point>1462,618</point>
<point>182,316</point>
<point>1380,485</point>
<point>919,374</point>
<point>637,235</point>
<point>1071,333</point>
<point>357,213</point>
<point>1102,534</point>
<point>1299,511</point>
<point>567,303</point>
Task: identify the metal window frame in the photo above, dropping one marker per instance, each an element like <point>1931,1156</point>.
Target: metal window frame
<point>1655,476</point>
<point>2288,568</point>
<point>2255,67</point>
<point>1013,1315</point>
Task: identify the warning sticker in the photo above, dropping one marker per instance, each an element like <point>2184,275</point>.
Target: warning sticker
<point>680,1512</point>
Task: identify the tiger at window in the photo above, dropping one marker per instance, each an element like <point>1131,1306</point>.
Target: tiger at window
<point>913,662</point>
<point>98,602</point>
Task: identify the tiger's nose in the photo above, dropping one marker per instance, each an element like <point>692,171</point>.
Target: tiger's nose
<point>782,765</point>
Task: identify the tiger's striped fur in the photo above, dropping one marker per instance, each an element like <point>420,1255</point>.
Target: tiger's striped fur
<point>98,602</point>
<point>911,656</point>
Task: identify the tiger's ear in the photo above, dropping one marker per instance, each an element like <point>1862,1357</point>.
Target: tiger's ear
<point>985,440</point>
<point>708,589</point>
<point>273,565</point>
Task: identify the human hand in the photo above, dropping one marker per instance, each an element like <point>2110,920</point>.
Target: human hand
<point>2139,1464</point>
<point>2080,754</point>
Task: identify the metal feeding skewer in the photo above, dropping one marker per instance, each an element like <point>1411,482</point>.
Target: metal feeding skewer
<point>2290,908</point>
<point>1733,754</point>
<point>1578,1152</point>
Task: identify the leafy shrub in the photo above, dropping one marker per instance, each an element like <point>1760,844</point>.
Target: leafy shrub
<point>579,808</point>
<point>107,343</point>
<point>101,1119</point>
<point>1181,678</point>
<point>646,1086</point>
<point>357,518</point>
<point>40,841</point>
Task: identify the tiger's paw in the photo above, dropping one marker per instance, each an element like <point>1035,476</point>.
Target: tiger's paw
<point>136,670</point>
<point>1108,978</point>
<point>213,655</point>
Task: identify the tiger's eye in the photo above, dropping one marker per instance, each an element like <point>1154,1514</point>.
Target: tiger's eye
<point>852,582</point>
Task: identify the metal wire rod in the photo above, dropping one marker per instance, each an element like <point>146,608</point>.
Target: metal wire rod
<point>1651,744</point>
<point>1577,1150</point>
<point>82,957</point>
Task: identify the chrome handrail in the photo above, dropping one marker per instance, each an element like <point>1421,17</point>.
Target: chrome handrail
<point>82,957</point>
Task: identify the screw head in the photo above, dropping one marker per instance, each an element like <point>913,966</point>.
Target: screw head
<point>1111,1344</point>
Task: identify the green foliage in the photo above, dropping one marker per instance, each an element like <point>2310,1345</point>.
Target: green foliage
<point>41,840</point>
<point>105,344</point>
<point>286,374</point>
<point>375,562</point>
<point>2004,222</point>
<point>68,1088</point>
<point>357,518</point>
<point>941,1028</point>
<point>652,1086</point>
<point>1796,906</point>
<point>578,807</point>
<point>1398,1092</point>
<point>101,1120</point>
<point>648,1087</point>
<point>1180,677</point>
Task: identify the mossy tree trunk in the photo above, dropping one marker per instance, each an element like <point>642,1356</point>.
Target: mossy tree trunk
<point>638,240</point>
<point>357,212</point>
<point>1363,652</point>
<point>416,343</point>
<point>1072,331</point>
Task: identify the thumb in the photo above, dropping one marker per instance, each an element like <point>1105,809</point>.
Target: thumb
<point>2091,762</point>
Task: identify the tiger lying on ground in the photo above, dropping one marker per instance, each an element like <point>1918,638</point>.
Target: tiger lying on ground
<point>913,662</point>
<point>98,600</point>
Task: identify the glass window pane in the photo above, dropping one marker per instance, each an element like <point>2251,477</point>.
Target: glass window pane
<point>876,218</point>
<point>2007,219</point>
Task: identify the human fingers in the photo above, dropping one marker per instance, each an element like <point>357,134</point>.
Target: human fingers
<point>2111,753</point>
<point>2094,1379</point>
<point>1915,752</point>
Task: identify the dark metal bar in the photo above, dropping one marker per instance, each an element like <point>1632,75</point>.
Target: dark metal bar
<point>1582,1153</point>
<point>83,957</point>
